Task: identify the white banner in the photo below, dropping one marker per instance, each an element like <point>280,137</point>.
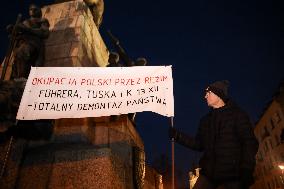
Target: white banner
<point>76,92</point>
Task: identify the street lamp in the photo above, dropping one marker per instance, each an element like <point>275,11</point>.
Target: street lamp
<point>281,166</point>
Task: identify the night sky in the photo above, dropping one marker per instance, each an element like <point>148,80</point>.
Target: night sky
<point>240,41</point>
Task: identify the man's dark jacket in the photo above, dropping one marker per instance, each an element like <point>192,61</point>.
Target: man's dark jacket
<point>226,137</point>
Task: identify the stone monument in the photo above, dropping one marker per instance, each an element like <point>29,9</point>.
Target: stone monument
<point>82,153</point>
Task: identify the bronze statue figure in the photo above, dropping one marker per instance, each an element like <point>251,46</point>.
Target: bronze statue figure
<point>122,53</point>
<point>126,60</point>
<point>9,53</point>
<point>113,60</point>
<point>97,9</point>
<point>138,158</point>
<point>29,48</point>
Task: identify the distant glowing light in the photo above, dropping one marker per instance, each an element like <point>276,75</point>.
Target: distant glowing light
<point>281,167</point>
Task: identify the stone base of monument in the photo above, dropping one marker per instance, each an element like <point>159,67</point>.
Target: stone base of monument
<point>83,153</point>
<point>79,167</point>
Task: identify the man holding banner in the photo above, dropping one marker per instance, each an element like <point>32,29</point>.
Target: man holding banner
<point>226,137</point>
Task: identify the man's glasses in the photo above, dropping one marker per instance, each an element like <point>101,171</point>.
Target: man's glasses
<point>207,92</point>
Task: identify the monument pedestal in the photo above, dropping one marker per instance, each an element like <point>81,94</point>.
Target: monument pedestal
<point>82,153</point>
<point>96,153</point>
